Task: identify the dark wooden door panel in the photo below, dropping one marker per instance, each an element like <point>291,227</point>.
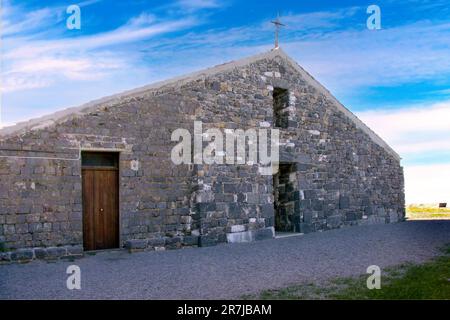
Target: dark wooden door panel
<point>98,217</point>
<point>100,209</point>
<point>88,209</point>
<point>106,186</point>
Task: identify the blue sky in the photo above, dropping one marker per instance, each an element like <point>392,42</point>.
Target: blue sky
<point>396,79</point>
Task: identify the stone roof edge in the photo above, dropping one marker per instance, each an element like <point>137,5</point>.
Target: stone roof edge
<point>65,114</point>
<point>359,123</point>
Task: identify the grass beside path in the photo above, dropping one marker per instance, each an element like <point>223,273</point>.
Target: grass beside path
<point>423,212</point>
<point>430,280</point>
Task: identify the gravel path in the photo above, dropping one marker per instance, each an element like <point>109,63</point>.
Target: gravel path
<point>228,271</point>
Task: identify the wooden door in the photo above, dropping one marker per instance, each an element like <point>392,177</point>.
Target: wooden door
<point>100,208</point>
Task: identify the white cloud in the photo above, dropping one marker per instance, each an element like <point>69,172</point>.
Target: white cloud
<point>317,20</point>
<point>15,19</point>
<point>413,130</point>
<point>359,56</point>
<point>30,21</point>
<point>345,60</point>
<point>199,4</point>
<point>427,183</point>
<point>133,31</point>
<point>29,62</point>
<point>416,133</point>
<point>444,91</point>
<point>23,82</point>
<point>43,72</point>
<point>144,18</point>
<point>342,58</point>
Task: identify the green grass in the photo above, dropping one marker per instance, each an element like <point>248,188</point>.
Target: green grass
<point>427,216</point>
<point>430,280</point>
<point>426,212</point>
<point>425,209</point>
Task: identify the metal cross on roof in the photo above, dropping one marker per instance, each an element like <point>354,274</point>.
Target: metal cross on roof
<point>277,24</point>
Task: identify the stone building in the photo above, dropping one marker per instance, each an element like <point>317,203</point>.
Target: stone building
<point>100,175</point>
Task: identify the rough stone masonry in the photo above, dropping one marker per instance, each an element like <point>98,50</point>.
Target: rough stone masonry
<point>334,171</point>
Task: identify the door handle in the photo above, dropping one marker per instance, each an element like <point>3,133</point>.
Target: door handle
<point>101,210</point>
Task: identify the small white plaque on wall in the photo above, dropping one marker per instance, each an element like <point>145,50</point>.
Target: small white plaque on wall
<point>134,164</point>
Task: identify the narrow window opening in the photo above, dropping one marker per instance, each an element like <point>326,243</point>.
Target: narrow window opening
<point>280,107</point>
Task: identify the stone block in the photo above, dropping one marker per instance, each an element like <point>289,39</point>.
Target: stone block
<point>75,250</point>
<point>350,216</point>
<point>56,252</point>
<point>306,227</point>
<point>35,227</point>
<point>190,240</point>
<point>368,210</point>
<point>267,210</point>
<point>5,257</point>
<point>344,202</point>
<point>393,217</point>
<point>308,216</point>
<point>310,194</point>
<point>207,241</point>
<point>372,220</point>
<point>173,243</point>
<point>136,244</point>
<point>246,236</point>
<point>40,253</point>
<point>47,227</point>
<point>317,205</point>
<point>266,233</point>
<point>230,188</point>
<point>238,228</point>
<point>303,167</point>
<point>234,210</point>
<point>22,255</point>
<point>156,242</point>
<point>334,222</point>
<point>205,207</point>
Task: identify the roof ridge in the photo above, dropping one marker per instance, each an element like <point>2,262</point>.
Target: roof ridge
<point>64,114</point>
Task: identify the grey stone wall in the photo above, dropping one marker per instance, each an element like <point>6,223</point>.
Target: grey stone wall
<point>342,176</point>
<point>41,199</point>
